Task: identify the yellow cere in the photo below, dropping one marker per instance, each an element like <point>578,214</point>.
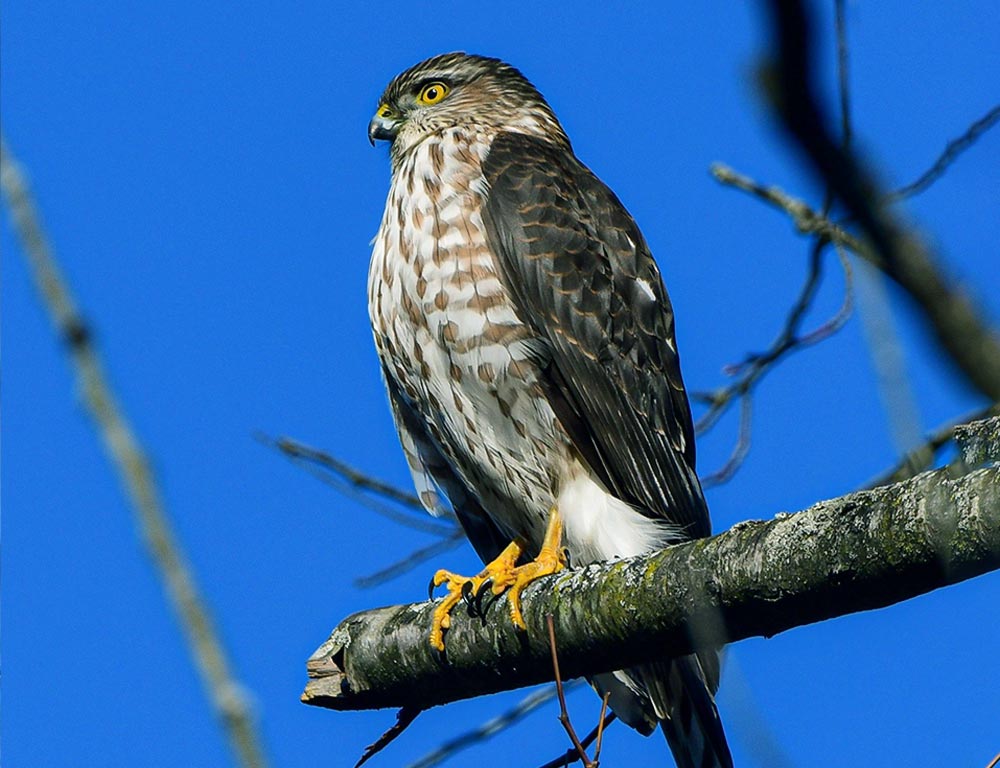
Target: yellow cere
<point>385,111</point>
<point>433,93</point>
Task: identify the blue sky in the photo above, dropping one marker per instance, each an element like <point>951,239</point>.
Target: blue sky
<point>204,175</point>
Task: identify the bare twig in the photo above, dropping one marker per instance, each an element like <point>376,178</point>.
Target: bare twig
<point>756,366</point>
<point>740,451</point>
<point>571,756</point>
<point>132,465</point>
<point>951,153</point>
<point>601,723</point>
<point>567,724</point>
<point>404,717</point>
<point>356,485</point>
<point>994,762</point>
<point>789,340</point>
<point>806,220</point>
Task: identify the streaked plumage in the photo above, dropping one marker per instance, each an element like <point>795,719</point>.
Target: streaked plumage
<point>528,350</point>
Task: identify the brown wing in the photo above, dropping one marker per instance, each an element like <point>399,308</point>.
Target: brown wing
<point>583,278</point>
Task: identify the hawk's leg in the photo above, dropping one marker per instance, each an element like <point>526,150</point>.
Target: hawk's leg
<point>498,575</point>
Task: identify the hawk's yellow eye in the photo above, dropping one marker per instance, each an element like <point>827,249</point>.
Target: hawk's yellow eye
<point>433,93</point>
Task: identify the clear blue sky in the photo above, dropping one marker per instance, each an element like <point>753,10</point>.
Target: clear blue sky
<point>206,180</point>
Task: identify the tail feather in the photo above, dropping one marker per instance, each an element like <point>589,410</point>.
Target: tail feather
<point>682,696</point>
<point>679,696</point>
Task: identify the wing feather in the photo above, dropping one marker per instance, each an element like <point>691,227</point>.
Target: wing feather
<point>583,278</point>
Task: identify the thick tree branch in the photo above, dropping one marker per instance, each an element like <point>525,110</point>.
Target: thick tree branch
<point>864,550</point>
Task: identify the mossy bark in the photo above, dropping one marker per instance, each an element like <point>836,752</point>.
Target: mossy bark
<point>865,550</point>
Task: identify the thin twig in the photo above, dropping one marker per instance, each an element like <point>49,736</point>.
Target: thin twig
<point>954,148</point>
<point>563,712</point>
<point>601,722</point>
<point>132,464</point>
<point>790,339</point>
<point>404,717</point>
<point>571,756</point>
<point>740,450</point>
<point>994,762</point>
<point>756,366</point>
<point>806,220</point>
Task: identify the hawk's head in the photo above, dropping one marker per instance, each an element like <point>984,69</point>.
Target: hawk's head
<point>458,90</point>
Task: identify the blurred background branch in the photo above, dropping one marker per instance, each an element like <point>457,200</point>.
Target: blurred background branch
<point>129,459</point>
<point>956,323</point>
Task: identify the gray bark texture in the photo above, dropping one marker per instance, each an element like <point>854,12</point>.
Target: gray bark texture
<point>865,550</point>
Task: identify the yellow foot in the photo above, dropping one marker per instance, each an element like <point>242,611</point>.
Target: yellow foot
<point>500,574</point>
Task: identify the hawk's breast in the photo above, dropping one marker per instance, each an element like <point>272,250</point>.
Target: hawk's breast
<point>447,332</point>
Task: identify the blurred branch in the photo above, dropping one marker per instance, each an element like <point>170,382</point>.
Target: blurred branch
<point>865,550</point>
<point>491,727</point>
<point>411,561</point>
<point>957,324</point>
<point>740,450</point>
<point>297,451</point>
<point>888,357</point>
<point>874,307</point>
<point>355,484</point>
<point>756,366</point>
<point>921,458</point>
<point>132,465</point>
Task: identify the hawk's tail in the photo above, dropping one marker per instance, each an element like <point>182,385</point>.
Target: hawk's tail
<point>681,691</point>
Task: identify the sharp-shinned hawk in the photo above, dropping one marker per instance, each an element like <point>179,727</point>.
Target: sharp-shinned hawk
<point>527,345</point>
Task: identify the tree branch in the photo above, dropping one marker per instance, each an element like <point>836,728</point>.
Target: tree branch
<point>865,550</point>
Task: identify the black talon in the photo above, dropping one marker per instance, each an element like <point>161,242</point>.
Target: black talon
<point>490,598</point>
<point>484,591</point>
<point>466,590</point>
<point>430,589</point>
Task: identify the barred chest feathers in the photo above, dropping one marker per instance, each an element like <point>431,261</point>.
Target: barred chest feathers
<point>448,335</point>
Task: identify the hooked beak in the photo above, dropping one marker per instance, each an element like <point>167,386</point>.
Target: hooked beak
<point>384,125</point>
